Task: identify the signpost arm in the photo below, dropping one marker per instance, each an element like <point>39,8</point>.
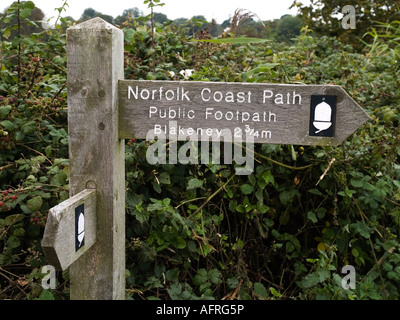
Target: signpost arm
<point>95,64</point>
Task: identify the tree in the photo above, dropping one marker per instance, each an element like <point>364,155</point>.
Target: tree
<point>29,19</point>
<point>90,13</point>
<point>160,17</point>
<point>324,16</point>
<point>198,23</point>
<point>180,21</point>
<point>288,28</point>
<point>128,14</point>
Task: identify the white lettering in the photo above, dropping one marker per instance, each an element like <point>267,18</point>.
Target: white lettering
<point>168,93</point>
<point>130,91</point>
<point>152,110</point>
<point>270,94</point>
<point>220,96</point>
<point>145,94</point>
<point>202,94</point>
<point>208,112</point>
<point>185,95</point>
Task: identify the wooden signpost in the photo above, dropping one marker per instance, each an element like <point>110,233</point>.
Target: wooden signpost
<point>87,232</point>
<point>70,229</point>
<point>271,113</point>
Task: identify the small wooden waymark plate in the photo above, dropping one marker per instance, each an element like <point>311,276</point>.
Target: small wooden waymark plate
<point>70,229</point>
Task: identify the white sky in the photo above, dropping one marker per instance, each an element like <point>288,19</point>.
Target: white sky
<point>220,10</point>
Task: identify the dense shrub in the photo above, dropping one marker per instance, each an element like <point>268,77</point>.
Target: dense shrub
<point>199,231</point>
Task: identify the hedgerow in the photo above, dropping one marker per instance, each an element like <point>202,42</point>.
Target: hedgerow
<point>199,231</point>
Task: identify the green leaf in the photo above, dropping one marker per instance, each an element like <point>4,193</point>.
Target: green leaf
<point>19,136</point>
<point>11,219</point>
<point>200,277</point>
<point>129,35</point>
<point>59,179</point>
<point>361,228</point>
<point>8,125</point>
<point>215,276</point>
<point>315,191</point>
<point>25,13</point>
<point>4,111</point>
<point>239,40</point>
<point>29,4</point>
<point>48,150</point>
<point>311,215</point>
<point>323,275</point>
<point>310,280</point>
<point>20,232</point>
<point>275,293</point>
<point>180,243</point>
<point>356,183</point>
<point>164,178</point>
<point>172,275</point>
<point>46,295</point>
<point>289,247</point>
<point>265,67</point>
<point>286,196</point>
<point>13,242</point>
<point>34,204</point>
<point>260,290</point>
<point>246,188</point>
<point>194,184</point>
<point>7,33</point>
<point>268,177</point>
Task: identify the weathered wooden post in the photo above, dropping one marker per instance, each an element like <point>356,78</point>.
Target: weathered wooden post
<point>95,64</point>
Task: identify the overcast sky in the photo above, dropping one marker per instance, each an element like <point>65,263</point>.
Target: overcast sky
<point>220,10</point>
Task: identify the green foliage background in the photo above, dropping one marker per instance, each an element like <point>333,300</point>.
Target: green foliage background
<point>199,231</point>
